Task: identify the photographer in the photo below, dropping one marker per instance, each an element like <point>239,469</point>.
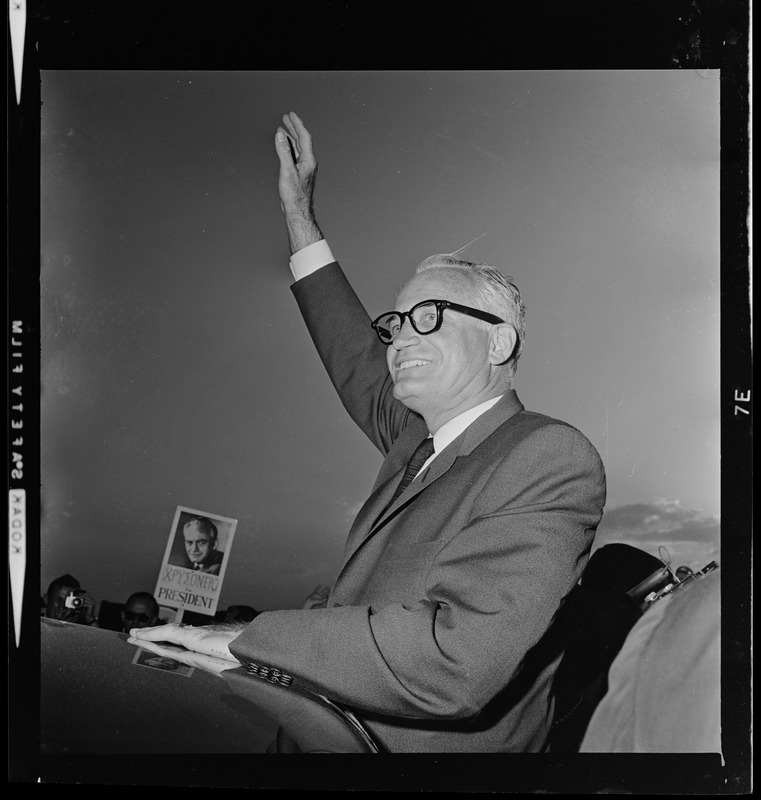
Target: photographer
<point>66,601</point>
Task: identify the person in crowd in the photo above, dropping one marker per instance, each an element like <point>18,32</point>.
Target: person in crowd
<point>200,536</point>
<point>65,600</point>
<point>140,611</point>
<point>480,522</point>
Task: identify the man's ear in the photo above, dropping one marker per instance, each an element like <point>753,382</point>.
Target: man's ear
<point>503,340</point>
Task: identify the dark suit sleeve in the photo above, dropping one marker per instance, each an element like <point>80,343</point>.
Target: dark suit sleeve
<point>352,354</point>
<point>489,593</point>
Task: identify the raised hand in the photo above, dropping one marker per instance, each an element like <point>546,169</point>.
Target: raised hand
<point>296,181</point>
<point>298,166</point>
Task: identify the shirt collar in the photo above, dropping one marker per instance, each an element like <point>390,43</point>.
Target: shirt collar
<point>449,431</point>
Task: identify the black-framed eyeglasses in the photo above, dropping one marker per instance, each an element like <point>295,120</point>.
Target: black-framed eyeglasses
<point>138,617</point>
<point>425,317</point>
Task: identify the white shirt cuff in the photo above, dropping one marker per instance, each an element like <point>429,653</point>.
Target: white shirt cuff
<point>310,258</point>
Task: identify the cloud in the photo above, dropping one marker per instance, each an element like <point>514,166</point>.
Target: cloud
<point>666,529</point>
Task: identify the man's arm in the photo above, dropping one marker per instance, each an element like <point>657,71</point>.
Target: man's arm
<point>298,172</point>
<point>337,321</point>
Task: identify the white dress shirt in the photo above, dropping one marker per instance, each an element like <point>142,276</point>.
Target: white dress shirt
<point>310,259</point>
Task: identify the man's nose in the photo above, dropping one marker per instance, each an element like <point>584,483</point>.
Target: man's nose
<point>407,335</point>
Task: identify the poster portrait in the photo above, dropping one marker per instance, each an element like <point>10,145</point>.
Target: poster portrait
<point>195,560</point>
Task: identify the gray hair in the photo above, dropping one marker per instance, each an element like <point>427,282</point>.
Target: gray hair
<point>204,524</point>
<point>492,292</point>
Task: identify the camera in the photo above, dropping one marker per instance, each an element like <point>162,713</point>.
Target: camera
<point>73,599</point>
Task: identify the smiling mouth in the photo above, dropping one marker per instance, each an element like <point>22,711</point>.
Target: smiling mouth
<point>413,363</point>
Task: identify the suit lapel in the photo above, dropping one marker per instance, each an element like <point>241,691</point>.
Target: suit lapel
<point>375,513</point>
<point>369,512</point>
<point>434,471</point>
<point>487,423</point>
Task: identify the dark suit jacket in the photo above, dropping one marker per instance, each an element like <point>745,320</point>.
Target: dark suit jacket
<point>214,563</point>
<point>430,628</point>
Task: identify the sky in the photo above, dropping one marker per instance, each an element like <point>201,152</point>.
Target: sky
<point>175,367</point>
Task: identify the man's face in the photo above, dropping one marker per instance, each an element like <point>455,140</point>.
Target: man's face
<point>198,544</point>
<point>56,608</point>
<point>441,374</point>
<point>139,613</point>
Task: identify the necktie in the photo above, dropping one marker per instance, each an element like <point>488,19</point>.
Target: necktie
<point>423,452</point>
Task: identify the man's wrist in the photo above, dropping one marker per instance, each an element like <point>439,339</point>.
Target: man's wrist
<point>303,229</point>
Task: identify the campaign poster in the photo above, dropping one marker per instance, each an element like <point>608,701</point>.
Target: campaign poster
<point>195,561</point>
<point>147,658</point>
